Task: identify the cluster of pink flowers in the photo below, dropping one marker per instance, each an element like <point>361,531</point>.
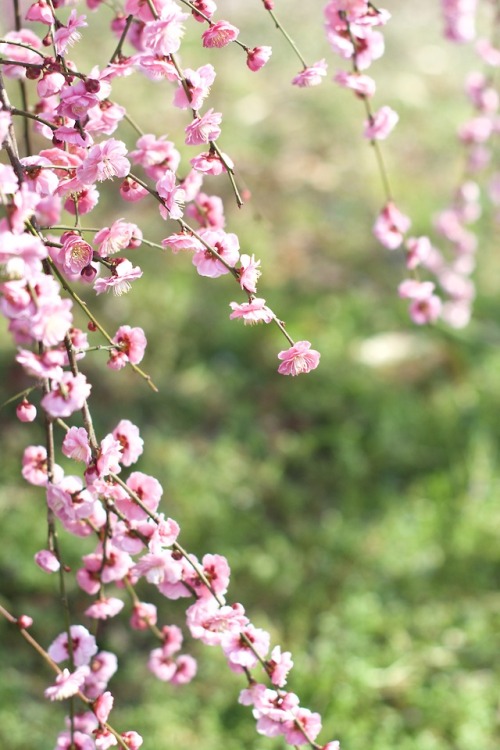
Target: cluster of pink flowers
<point>42,262</point>
<point>351,31</point>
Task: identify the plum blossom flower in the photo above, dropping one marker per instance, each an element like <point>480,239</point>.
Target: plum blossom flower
<point>298,359</point>
<point>47,561</point>
<point>204,128</point>
<point>76,445</point>
<point>104,608</point>
<point>249,273</point>
<point>258,57</point>
<point>123,273</point>
<point>227,247</point>
<point>279,664</point>
<point>67,684</point>
<point>390,226</point>
<point>380,124</point>
<point>163,36</point>
<point>219,34</point>
<point>198,83</point>
<point>25,411</point>
<point>119,236</point>
<point>238,652</point>
<point>131,345</point>
<point>132,444</point>
<point>83,646</point>
<point>103,162</point>
<point>312,75</point>
<point>252,312</point>
<point>66,36</point>
<point>143,615</point>
<point>68,395</point>
<point>361,84</point>
<point>173,196</point>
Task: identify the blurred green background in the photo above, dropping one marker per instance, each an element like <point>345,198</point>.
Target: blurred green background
<point>358,506</point>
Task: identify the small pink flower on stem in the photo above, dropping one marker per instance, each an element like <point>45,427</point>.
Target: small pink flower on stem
<point>67,684</point>
<point>298,359</point>
<point>258,57</point>
<point>312,75</point>
<point>391,226</point>
<point>47,561</point>
<point>220,34</point>
<point>25,411</point>
<point>380,124</point>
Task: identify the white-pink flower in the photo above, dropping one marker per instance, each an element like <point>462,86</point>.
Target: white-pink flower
<point>380,124</point>
<point>67,684</point>
<point>103,162</point>
<point>312,75</point>
<point>67,396</point>
<point>252,312</point>
<point>298,359</point>
<point>219,34</point>
<point>82,642</point>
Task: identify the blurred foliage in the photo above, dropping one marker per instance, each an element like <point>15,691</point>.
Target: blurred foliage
<point>358,506</point>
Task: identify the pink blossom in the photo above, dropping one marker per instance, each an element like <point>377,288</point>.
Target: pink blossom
<point>156,67</point>
<point>25,411</point>
<point>82,642</point>
<point>226,246</point>
<point>158,567</point>
<point>207,210</point>
<point>131,345</point>
<point>34,466</point>
<point>173,196</point>
<point>252,312</point>
<point>459,19</point>
<point>102,707</point>
<point>390,226</point>
<point>380,124</point>
<point>209,162</point>
<point>143,615</point>
<point>425,306</point>
<point>312,75</point>
<point>309,721</point>
<point>219,34</point>
<point>66,36</point>
<point>69,500</point>
<point>67,684</point>
<point>74,741</point>
<point>68,395</point>
<point>361,84</point>
<point>76,445</point>
<point>207,7</point>
<point>239,654</point>
<point>104,608</point>
<point>132,739</point>
<point>75,253</point>
<point>258,57</point>
<point>298,359</point>
<point>204,128</point>
<point>161,665</point>
<point>156,155</point>
<point>123,273</point>
<point>119,236</point>
<point>172,639</point>
<point>249,273</point>
<point>102,667</point>
<point>131,443</point>
<point>104,161</point>
<point>163,36</point>
<point>20,53</point>
<point>47,561</point>
<point>210,623</point>
<point>131,191</point>
<point>109,456</point>
<point>198,83</point>
<point>182,241</point>
<point>418,249</point>
<point>185,670</point>
<point>279,665</point>
<point>40,11</point>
